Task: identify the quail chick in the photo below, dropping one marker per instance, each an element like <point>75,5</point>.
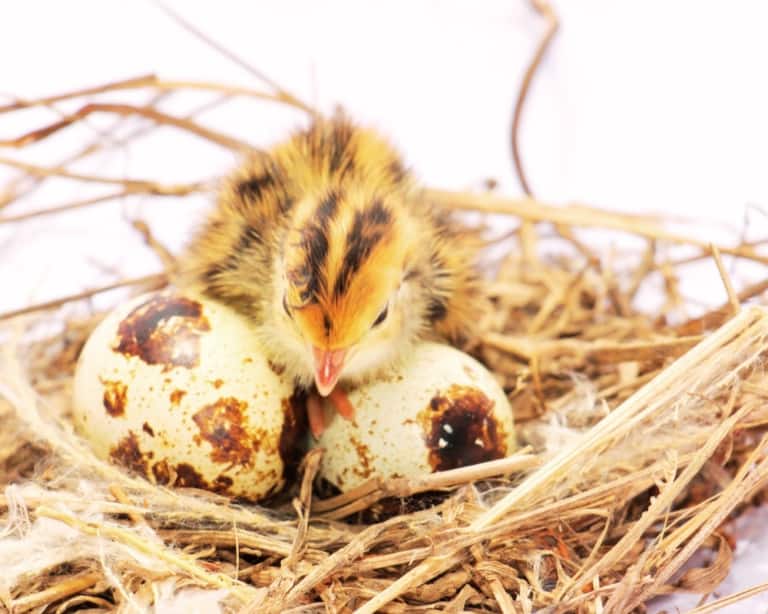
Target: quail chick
<point>327,244</point>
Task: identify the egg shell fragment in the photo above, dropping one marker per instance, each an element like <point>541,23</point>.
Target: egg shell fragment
<point>175,387</point>
<point>438,409</point>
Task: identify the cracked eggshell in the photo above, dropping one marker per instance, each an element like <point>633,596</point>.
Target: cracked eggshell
<point>439,409</point>
<point>175,387</point>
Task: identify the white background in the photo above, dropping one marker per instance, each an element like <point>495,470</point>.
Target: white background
<point>639,106</point>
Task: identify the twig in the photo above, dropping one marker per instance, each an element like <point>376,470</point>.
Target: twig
<point>189,27</point>
<point>62,589</point>
<point>717,316</point>
<point>543,8</point>
<point>641,273</point>
<point>376,489</point>
<point>130,185</point>
<point>503,600</point>
<point>167,259</point>
<point>753,472</point>
<point>719,604</point>
<point>599,352</point>
<point>99,144</point>
<point>527,230</point>
<point>151,81</point>
<point>576,215</point>
<point>274,598</point>
<point>339,559</point>
<point>733,299</point>
<point>612,428</point>
<point>155,280</point>
<point>125,84</point>
<point>302,505</point>
<point>233,90</point>
<point>177,560</point>
<point>126,109</point>
<point>119,494</point>
<point>78,204</point>
<point>32,182</point>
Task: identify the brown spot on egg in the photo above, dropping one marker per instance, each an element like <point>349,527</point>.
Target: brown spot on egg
<point>162,472</point>
<point>164,330</point>
<point>222,484</point>
<point>293,433</point>
<point>217,383</point>
<point>187,476</point>
<point>223,425</point>
<point>177,395</point>
<point>115,397</point>
<point>128,454</point>
<point>148,429</point>
<point>460,429</point>
<point>363,468</point>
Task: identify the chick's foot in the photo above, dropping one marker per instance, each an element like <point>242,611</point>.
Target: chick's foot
<point>316,412</point>
<point>341,402</point>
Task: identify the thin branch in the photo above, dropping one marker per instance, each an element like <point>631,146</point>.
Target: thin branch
<point>165,255</point>
<point>126,84</point>
<point>60,590</point>
<point>192,29</point>
<point>157,280</point>
<point>151,81</point>
<point>30,183</point>
<point>733,299</point>
<point>376,489</point>
<point>126,109</point>
<point>577,215</point>
<point>543,8</point>
<point>718,605</point>
<point>78,204</point>
<point>233,90</point>
<point>717,316</point>
<point>133,186</point>
<point>177,560</point>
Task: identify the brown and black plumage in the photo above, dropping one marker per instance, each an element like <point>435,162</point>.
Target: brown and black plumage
<point>329,247</point>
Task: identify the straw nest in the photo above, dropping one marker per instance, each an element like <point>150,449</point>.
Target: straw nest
<point>643,434</point>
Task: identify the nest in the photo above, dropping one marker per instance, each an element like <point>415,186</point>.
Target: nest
<point>643,432</point>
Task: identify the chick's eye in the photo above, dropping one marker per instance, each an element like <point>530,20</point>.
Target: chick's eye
<point>382,316</point>
<point>285,307</point>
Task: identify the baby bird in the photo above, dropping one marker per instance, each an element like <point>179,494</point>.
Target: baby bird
<point>327,245</point>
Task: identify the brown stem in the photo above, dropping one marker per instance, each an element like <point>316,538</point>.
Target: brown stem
<point>196,32</point>
<point>545,10</point>
<point>131,185</point>
<point>60,590</point>
<point>165,255</point>
<point>126,84</point>
<point>78,204</point>
<point>574,215</point>
<point>125,110</point>
<point>12,191</point>
<point>151,81</point>
<point>376,489</point>
<point>157,280</point>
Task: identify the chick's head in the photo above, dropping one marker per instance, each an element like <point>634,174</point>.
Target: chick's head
<point>345,301</point>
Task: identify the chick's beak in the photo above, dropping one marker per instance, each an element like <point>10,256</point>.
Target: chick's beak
<point>328,366</point>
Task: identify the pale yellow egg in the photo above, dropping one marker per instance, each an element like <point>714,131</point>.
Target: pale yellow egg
<point>175,387</point>
<point>438,409</point>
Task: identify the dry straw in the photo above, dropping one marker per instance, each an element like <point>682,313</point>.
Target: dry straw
<point>645,435</point>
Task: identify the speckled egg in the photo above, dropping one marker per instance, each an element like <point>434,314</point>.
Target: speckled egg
<point>175,387</point>
<point>439,409</point>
